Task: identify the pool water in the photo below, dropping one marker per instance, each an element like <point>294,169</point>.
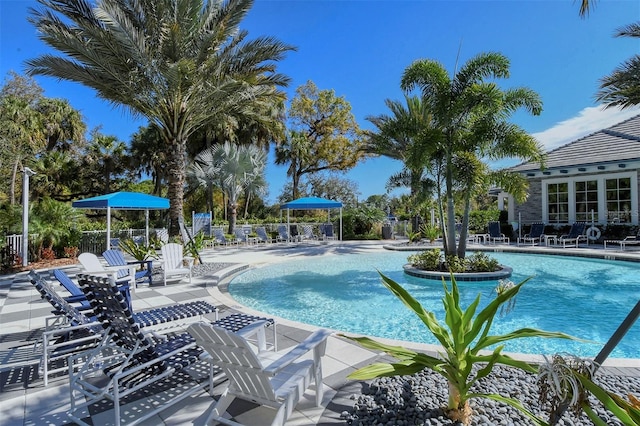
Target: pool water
<point>586,298</point>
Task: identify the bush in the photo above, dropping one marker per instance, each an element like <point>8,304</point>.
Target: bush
<point>429,260</point>
<point>481,262</point>
<point>455,263</point>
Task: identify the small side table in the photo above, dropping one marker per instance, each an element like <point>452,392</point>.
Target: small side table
<point>548,239</point>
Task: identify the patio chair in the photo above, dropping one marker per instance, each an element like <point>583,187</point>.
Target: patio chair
<point>262,235</point>
<point>92,265</point>
<point>630,240</point>
<point>495,234</point>
<point>326,229</point>
<point>535,235</point>
<point>116,258</point>
<point>575,235</point>
<point>294,234</point>
<point>129,362</point>
<point>173,262</point>
<point>76,293</point>
<point>243,236</point>
<point>276,380</point>
<point>283,234</point>
<point>307,233</point>
<point>74,325</point>
<point>220,238</point>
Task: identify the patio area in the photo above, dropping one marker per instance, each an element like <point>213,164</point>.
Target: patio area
<point>25,401</point>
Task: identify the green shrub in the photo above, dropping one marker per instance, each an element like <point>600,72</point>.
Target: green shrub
<point>455,263</point>
<point>482,262</point>
<point>428,260</point>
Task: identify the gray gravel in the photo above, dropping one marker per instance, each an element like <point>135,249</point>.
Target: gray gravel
<point>196,271</point>
<point>417,400</point>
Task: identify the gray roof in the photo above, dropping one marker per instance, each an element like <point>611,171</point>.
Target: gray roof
<point>620,142</point>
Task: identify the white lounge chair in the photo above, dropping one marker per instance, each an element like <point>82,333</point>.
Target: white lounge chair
<point>275,380</point>
<point>173,262</point>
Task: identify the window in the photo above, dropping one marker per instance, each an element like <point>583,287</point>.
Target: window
<point>586,200</point>
<point>558,202</point>
<point>618,194</point>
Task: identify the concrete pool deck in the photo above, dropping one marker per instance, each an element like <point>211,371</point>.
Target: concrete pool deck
<point>25,401</point>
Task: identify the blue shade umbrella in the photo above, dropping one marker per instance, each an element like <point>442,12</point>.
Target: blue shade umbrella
<point>123,201</point>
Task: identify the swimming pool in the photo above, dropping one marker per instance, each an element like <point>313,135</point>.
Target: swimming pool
<point>584,297</point>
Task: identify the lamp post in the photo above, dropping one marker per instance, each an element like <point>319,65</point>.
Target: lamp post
<point>25,215</point>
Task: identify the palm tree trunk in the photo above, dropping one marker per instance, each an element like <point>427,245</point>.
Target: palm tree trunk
<point>462,244</point>
<point>175,193</point>
<point>451,214</point>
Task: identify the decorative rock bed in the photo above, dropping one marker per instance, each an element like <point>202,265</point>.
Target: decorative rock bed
<point>418,400</point>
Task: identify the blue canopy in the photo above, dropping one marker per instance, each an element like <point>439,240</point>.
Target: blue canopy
<point>310,203</point>
<point>313,203</point>
<point>123,201</point>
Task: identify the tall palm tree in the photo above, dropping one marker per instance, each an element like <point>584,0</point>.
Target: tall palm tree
<point>180,63</point>
<point>234,169</point>
<point>408,135</point>
<point>471,113</point>
<point>621,88</point>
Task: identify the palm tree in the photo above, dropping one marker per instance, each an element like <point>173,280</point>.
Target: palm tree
<point>182,64</point>
<point>63,125</point>
<point>234,169</point>
<point>106,153</point>
<point>471,114</point>
<point>622,87</point>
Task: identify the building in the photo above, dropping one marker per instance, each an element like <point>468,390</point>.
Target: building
<point>594,178</point>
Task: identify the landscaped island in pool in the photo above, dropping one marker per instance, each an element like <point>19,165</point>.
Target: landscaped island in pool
<point>584,297</point>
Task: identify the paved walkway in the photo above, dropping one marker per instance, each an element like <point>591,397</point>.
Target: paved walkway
<point>25,401</point>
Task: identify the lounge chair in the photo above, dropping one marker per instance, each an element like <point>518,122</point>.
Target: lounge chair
<point>283,234</point>
<point>76,293</point>
<point>630,240</point>
<point>294,234</point>
<point>243,236</point>
<point>575,235</point>
<point>174,263</point>
<point>276,381</point>
<point>326,229</point>
<point>307,233</point>
<point>73,329</point>
<point>128,361</point>
<point>220,238</point>
<point>495,235</point>
<point>262,235</point>
<point>116,258</point>
<point>535,235</point>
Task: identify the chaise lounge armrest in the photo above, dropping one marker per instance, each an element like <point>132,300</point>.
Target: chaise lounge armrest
<point>316,342</point>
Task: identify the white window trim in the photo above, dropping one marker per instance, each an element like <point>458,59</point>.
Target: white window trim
<point>602,205</point>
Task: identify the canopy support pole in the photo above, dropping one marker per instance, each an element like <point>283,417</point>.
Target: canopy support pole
<point>108,228</point>
<point>146,226</point>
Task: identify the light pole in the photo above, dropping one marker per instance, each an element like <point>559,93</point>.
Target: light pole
<point>25,215</point>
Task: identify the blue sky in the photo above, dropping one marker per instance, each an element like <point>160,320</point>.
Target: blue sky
<point>360,49</point>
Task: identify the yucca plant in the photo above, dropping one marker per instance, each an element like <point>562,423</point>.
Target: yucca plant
<point>566,381</point>
<point>139,252</point>
<point>463,336</point>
